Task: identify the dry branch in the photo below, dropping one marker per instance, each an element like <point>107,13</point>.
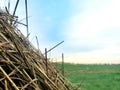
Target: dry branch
<point>21,65</point>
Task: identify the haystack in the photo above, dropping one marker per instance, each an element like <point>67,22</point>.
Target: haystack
<point>22,67</point>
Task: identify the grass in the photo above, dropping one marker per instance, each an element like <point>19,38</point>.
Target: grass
<point>93,77</point>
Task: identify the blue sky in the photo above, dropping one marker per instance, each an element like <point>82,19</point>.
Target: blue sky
<point>90,28</point>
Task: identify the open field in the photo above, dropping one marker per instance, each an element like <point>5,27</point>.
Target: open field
<point>94,77</point>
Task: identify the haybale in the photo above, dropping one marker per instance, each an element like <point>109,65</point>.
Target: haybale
<point>23,67</point>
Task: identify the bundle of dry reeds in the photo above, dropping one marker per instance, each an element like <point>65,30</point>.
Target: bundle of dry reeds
<point>22,67</point>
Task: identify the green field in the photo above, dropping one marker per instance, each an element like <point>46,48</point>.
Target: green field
<point>93,77</point>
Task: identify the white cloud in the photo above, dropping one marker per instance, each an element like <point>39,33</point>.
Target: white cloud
<point>2,3</point>
<point>88,25</point>
<point>87,28</point>
<point>109,55</point>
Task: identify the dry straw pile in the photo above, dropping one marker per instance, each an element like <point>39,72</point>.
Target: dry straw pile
<point>22,67</point>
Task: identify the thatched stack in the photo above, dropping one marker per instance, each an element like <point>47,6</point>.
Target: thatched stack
<point>22,67</point>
